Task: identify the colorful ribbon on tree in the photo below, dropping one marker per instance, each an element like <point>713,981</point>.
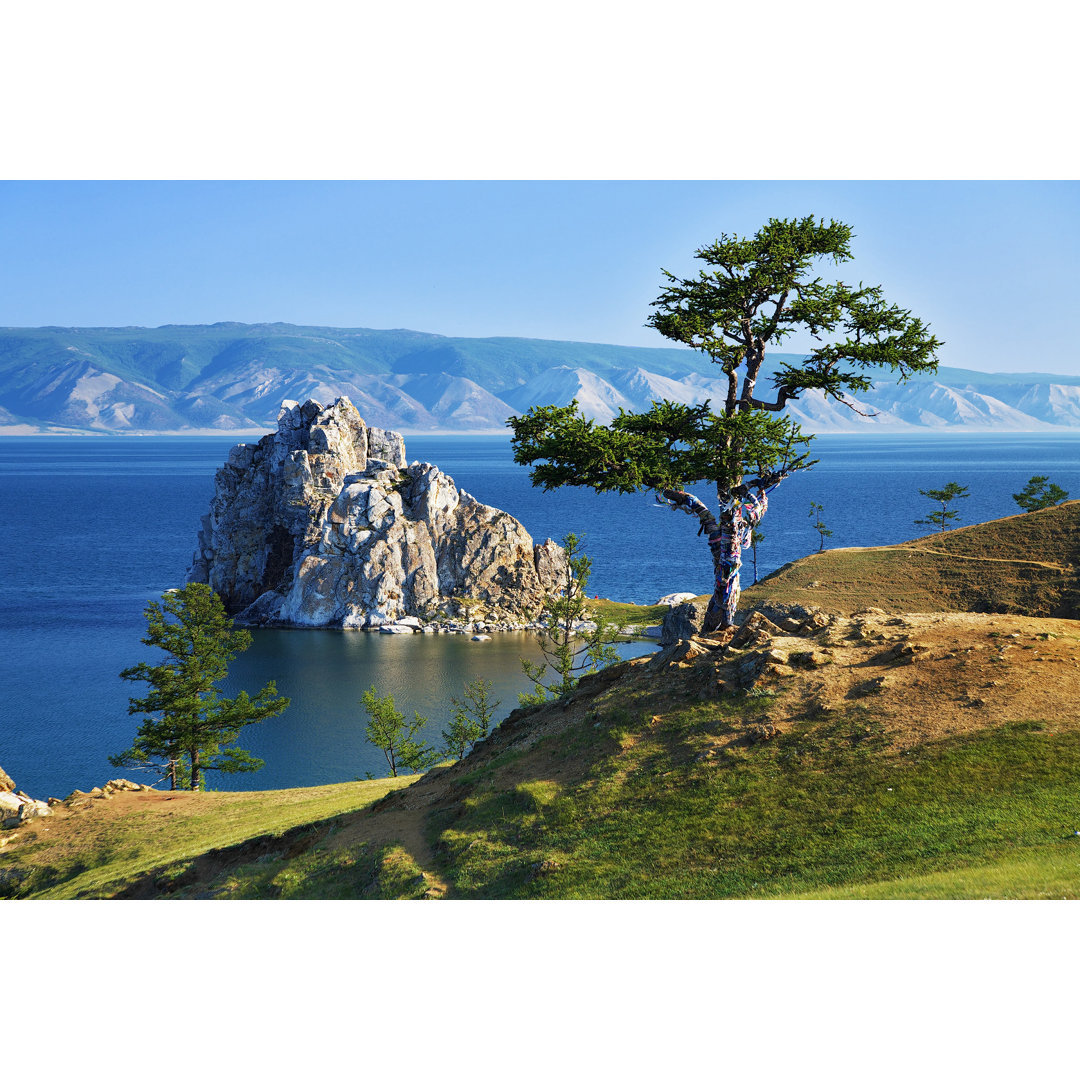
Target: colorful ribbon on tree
<point>743,512</point>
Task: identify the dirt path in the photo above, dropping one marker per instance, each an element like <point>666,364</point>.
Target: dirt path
<point>954,555</point>
<point>987,558</point>
<point>401,822</point>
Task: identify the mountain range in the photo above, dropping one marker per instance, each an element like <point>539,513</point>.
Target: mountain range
<point>233,377</point>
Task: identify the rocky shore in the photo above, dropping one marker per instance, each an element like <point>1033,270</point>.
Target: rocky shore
<point>17,808</point>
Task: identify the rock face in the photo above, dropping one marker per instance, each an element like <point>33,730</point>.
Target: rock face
<point>324,524</point>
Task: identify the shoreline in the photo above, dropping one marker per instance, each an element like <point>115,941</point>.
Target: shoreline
<point>27,431</point>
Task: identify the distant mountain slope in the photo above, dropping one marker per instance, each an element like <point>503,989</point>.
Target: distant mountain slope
<point>233,376</point>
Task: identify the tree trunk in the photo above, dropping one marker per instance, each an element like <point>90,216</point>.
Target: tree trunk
<point>740,513</point>
<point>195,770</point>
<point>726,546</point>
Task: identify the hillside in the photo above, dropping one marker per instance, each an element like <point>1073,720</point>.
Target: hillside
<point>233,377</point>
<point>1029,564</point>
<point>871,753</point>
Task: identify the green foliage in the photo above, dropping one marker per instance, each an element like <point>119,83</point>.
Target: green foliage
<point>944,496</point>
<point>188,725</point>
<point>670,446</point>
<point>755,293</point>
<point>570,649</point>
<point>758,291</point>
<point>1038,494</point>
<point>471,719</point>
<point>397,739</point>
<point>816,510</point>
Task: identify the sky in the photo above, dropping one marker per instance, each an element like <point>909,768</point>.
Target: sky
<point>986,263</point>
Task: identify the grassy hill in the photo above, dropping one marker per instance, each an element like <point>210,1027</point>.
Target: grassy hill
<point>835,752</point>
<point>1027,564</point>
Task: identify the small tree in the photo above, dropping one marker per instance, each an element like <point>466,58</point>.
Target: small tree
<point>571,649</point>
<point>388,730</point>
<point>816,510</point>
<point>1038,496</point>
<point>188,726</point>
<point>471,718</point>
<point>756,536</point>
<point>945,495</point>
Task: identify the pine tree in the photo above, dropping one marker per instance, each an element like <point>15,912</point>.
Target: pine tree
<point>471,718</point>
<point>395,737</point>
<point>816,510</point>
<point>188,726</point>
<point>754,293</point>
<point>1038,496</point>
<point>941,518</point>
<point>570,648</point>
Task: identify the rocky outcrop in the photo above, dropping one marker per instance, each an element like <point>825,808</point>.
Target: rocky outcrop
<point>323,523</point>
<point>683,621</point>
<point>16,807</point>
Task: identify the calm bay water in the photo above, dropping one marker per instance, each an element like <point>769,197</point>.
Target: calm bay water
<point>92,529</point>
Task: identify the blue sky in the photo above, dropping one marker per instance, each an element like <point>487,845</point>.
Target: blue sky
<point>991,265</point>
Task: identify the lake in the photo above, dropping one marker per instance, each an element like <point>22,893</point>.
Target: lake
<point>93,528</point>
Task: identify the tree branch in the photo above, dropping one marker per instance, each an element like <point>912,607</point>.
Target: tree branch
<point>783,396</point>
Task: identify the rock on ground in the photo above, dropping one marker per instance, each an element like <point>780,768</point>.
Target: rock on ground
<point>683,621</point>
<point>16,807</point>
<point>676,598</point>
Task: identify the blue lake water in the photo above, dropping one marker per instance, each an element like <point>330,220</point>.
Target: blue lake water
<point>92,529</point>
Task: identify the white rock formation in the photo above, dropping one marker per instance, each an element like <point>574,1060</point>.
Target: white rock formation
<point>324,524</point>
<point>16,807</point>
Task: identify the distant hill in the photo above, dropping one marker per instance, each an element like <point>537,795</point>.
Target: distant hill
<point>233,376</point>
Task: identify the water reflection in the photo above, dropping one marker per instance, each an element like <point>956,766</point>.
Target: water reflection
<point>320,739</point>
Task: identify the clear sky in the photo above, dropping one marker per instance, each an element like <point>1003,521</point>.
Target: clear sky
<point>991,265</point>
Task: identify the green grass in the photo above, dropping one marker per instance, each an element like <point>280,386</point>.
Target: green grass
<point>103,855</point>
<point>635,615</point>
<point>1050,874</point>
<point>824,807</point>
<point>324,872</point>
<point>631,804</point>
